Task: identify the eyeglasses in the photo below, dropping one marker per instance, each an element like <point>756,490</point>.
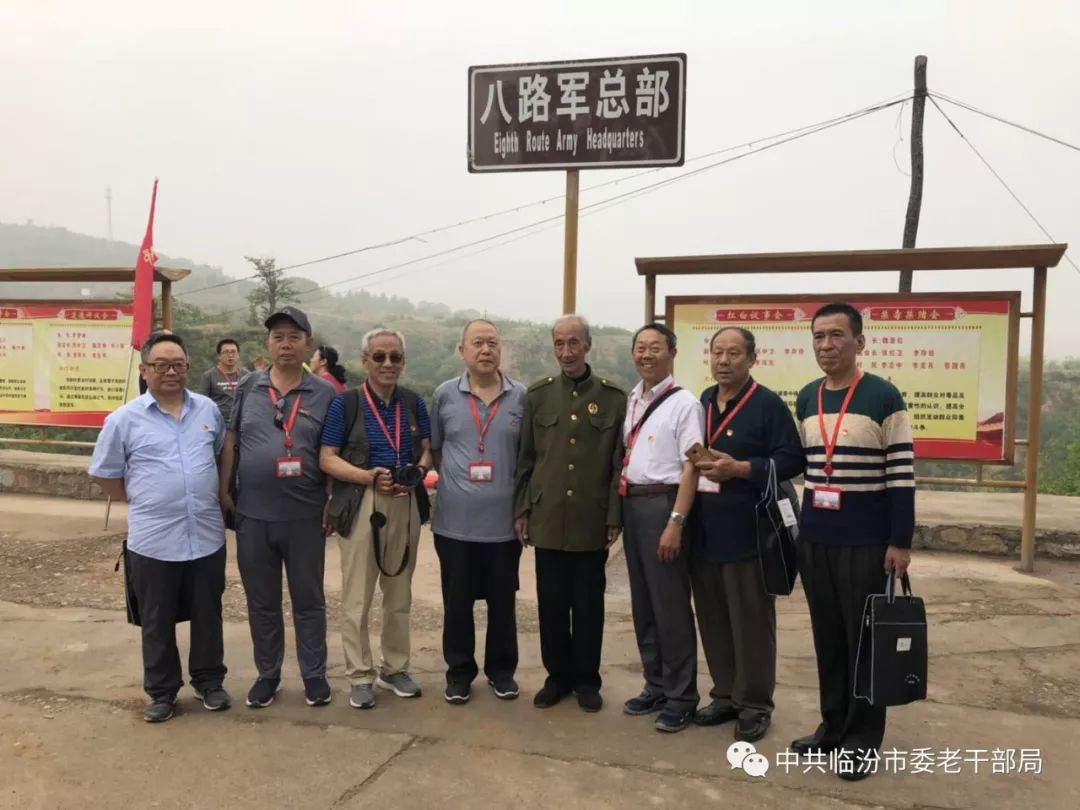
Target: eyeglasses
<point>381,357</point>
<point>279,413</point>
<point>164,366</point>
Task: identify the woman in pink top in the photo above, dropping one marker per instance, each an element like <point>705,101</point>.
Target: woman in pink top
<point>324,363</point>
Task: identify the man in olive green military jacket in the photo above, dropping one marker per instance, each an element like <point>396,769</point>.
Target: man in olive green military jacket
<point>568,507</point>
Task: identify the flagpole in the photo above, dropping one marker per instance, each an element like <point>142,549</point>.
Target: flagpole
<point>143,299</point>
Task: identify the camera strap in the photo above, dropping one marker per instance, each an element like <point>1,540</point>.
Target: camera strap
<point>378,521</point>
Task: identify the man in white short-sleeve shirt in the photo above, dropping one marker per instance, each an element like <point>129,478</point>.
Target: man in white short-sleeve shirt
<point>662,422</point>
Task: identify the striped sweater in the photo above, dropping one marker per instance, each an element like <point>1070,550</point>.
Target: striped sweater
<point>873,466</point>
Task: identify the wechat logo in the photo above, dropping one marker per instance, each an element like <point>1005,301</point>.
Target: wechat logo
<point>744,756</point>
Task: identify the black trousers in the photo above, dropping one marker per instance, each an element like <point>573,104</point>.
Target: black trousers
<point>570,589</point>
<point>161,589</point>
<point>737,620</point>
<point>472,571</point>
<point>837,580</point>
<point>262,547</point>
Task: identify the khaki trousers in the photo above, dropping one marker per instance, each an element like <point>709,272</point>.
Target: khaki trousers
<point>359,573</point>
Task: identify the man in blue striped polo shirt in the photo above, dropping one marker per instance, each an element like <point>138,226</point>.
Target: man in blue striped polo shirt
<point>397,432</point>
<point>858,518</point>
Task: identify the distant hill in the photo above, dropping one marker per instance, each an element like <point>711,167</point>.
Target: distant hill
<point>432,330</point>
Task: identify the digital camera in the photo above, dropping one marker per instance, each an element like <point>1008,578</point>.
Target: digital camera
<point>407,475</point>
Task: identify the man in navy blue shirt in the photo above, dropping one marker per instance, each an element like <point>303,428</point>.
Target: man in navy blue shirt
<point>747,428</point>
<point>392,429</point>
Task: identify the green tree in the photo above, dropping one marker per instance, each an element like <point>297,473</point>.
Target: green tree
<point>272,289</point>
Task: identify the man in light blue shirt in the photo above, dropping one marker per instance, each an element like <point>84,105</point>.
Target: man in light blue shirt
<point>159,452</point>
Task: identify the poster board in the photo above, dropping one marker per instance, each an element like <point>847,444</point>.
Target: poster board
<point>953,356</point>
<point>65,363</point>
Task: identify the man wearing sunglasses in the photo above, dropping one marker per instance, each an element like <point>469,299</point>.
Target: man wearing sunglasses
<point>159,453</point>
<point>376,439</point>
<point>280,499</point>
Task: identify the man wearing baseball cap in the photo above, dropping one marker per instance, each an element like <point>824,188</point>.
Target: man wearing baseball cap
<point>272,483</point>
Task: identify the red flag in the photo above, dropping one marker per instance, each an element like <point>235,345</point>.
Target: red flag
<point>144,282</point>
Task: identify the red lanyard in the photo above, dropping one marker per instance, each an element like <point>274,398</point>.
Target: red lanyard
<point>229,382</point>
<point>727,419</point>
<point>287,426</point>
<point>395,444</point>
<point>483,429</point>
<point>830,446</point>
<point>631,437</point>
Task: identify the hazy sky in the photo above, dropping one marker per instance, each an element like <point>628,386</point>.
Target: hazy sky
<point>329,126</point>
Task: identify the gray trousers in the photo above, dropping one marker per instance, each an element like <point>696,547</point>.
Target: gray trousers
<point>660,600</point>
<point>261,549</point>
<point>737,620</point>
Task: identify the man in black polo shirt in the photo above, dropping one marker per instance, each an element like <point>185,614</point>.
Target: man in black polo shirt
<point>746,427</point>
<point>276,426</point>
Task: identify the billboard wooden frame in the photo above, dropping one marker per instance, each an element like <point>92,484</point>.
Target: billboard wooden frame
<point>1012,358</point>
<point>1037,258</point>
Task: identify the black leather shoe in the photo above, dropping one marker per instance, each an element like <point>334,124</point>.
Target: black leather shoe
<point>160,709</point>
<point>854,766</point>
<point>752,729</point>
<point>644,704</point>
<point>549,696</point>
<point>590,701</point>
<point>813,743</point>
<point>714,715</point>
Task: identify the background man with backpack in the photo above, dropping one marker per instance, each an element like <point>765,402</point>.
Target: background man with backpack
<point>376,445</point>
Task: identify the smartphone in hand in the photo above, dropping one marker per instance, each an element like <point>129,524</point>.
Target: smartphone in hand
<point>697,453</point>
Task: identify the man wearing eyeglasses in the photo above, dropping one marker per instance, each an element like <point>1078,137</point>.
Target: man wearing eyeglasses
<point>280,499</point>
<point>159,453</point>
<point>220,382</point>
<point>377,446</point>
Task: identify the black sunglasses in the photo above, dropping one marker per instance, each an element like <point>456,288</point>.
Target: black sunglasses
<point>279,414</point>
<point>380,357</point>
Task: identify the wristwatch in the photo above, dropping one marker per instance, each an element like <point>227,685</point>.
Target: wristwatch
<point>678,519</point>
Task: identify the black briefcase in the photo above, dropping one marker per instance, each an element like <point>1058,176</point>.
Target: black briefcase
<point>778,535</point>
<point>891,662</point>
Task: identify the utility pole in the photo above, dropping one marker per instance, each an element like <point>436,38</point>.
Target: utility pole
<point>108,211</point>
<point>914,206</point>
<point>570,243</point>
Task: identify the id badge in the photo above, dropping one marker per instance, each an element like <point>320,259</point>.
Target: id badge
<point>623,485</point>
<point>481,471</point>
<point>289,467</point>
<point>827,498</point>
<point>705,485</point>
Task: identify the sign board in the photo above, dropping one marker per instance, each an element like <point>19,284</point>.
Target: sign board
<point>953,357</point>
<point>64,363</point>
<point>595,113</point>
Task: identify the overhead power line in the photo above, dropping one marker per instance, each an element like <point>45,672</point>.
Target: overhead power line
<point>420,235</point>
<point>976,110</point>
<point>610,202</point>
<point>1000,179</point>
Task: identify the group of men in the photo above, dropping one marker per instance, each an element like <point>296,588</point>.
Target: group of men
<point>564,466</point>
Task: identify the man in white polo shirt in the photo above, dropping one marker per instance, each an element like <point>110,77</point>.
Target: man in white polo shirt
<point>658,481</point>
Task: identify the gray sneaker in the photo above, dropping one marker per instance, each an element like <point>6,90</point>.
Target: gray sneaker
<point>400,683</point>
<point>362,696</point>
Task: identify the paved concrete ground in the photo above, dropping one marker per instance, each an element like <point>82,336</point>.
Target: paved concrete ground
<point>1004,673</point>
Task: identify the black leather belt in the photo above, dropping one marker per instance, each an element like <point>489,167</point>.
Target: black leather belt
<point>637,490</point>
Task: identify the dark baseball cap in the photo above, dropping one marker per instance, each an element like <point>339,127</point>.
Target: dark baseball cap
<point>290,314</point>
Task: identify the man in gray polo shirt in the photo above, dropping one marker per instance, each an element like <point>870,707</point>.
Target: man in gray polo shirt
<point>475,426</point>
<point>276,427</point>
<point>220,382</point>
